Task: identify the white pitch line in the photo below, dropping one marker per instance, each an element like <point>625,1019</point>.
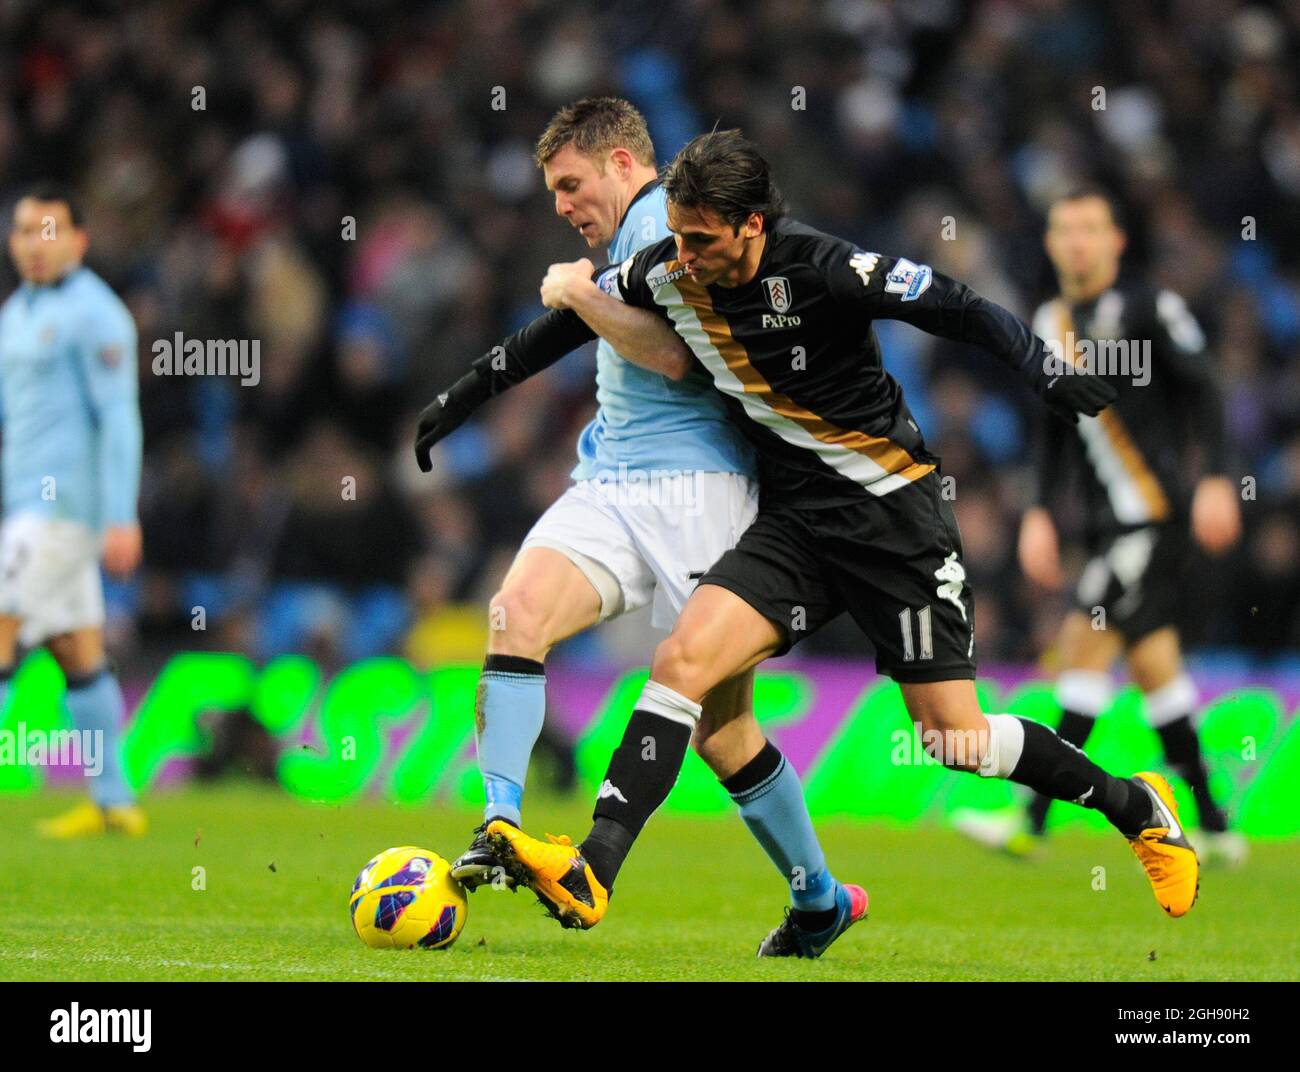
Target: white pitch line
<point>194,965</point>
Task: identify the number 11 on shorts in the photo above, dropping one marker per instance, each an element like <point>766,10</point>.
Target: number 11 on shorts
<point>927,636</point>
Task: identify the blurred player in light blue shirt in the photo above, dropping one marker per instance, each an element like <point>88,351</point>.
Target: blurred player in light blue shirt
<point>70,422</point>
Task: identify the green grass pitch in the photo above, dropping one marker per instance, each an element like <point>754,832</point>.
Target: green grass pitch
<point>693,902</point>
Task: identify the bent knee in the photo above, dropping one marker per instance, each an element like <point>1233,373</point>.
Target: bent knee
<point>518,624</point>
<point>682,668</point>
<point>716,751</point>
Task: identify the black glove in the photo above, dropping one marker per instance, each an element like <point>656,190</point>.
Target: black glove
<point>1070,391</point>
<point>446,413</point>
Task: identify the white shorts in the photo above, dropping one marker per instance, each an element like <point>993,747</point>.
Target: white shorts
<point>652,540</point>
<point>49,577</point>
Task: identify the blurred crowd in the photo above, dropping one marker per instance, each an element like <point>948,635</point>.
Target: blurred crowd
<point>351,184</point>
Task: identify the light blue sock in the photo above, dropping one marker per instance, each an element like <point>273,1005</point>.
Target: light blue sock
<point>95,704</point>
<point>510,710</point>
<point>773,807</point>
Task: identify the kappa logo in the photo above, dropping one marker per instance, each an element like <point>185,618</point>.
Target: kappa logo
<point>659,276</point>
<point>864,264</point>
<point>953,577</point>
<point>609,789</point>
<point>777,289</point>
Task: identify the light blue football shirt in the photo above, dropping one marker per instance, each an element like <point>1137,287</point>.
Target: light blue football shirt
<point>646,421</point>
<point>69,403</point>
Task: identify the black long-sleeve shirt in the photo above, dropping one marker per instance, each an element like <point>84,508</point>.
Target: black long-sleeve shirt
<point>794,353</point>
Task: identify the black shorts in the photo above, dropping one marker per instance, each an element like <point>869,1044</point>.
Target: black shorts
<point>1136,577</point>
<point>893,562</point>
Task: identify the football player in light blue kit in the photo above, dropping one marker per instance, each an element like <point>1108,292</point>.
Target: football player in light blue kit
<point>664,485</point>
<point>70,423</point>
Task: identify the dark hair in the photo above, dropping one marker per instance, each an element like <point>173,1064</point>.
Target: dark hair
<point>724,171</point>
<point>595,126</point>
<point>1091,189</point>
<point>54,191</point>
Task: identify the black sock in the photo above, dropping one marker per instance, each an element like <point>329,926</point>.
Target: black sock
<point>1183,753</point>
<point>605,849</point>
<point>813,921</point>
<point>512,664</point>
<point>1059,770</point>
<point>757,770</point>
<point>641,773</point>
<point>1075,729</point>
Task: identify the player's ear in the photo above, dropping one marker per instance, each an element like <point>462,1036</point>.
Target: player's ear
<point>622,161</point>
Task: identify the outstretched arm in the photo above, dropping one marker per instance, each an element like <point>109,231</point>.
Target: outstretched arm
<point>895,288</point>
<point>530,350</point>
<point>636,334</point>
<point>639,335</point>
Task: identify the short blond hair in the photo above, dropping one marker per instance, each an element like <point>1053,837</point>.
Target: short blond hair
<point>595,126</point>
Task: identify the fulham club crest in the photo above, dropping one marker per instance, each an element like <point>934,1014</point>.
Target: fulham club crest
<point>777,288</point>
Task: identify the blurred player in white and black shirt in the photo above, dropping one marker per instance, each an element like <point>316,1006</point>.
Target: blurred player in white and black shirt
<point>1129,464</point>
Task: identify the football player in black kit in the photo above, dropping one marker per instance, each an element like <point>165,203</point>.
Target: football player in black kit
<point>1131,459</point>
<point>850,517</point>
